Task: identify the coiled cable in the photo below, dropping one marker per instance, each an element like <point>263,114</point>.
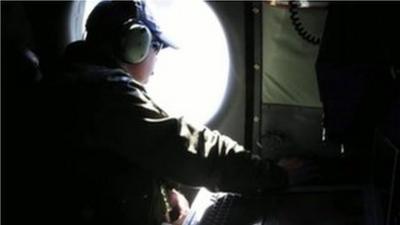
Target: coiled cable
<point>298,25</point>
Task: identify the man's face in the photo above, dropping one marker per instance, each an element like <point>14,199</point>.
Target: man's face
<point>148,66</point>
<point>142,71</point>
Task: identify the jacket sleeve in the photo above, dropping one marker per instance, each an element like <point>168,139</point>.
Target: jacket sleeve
<point>174,149</point>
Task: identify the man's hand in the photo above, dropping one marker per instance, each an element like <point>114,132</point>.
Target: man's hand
<point>180,208</point>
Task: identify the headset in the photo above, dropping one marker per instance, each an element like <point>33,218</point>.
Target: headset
<point>116,24</point>
<point>135,42</point>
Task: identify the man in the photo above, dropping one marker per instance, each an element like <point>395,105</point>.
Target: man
<point>124,150</point>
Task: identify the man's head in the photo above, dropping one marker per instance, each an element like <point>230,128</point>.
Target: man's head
<point>128,34</point>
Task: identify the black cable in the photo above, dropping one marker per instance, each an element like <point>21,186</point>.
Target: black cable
<point>298,25</point>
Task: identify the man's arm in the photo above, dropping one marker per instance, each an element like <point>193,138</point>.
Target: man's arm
<point>177,150</point>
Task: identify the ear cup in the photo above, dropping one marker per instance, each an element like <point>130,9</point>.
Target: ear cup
<point>135,44</point>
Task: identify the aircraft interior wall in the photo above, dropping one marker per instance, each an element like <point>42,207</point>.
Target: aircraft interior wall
<point>291,105</point>
<point>318,96</point>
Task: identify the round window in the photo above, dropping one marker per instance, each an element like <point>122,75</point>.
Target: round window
<point>192,80</point>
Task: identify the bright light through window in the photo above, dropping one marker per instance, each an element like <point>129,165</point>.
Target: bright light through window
<point>192,80</point>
